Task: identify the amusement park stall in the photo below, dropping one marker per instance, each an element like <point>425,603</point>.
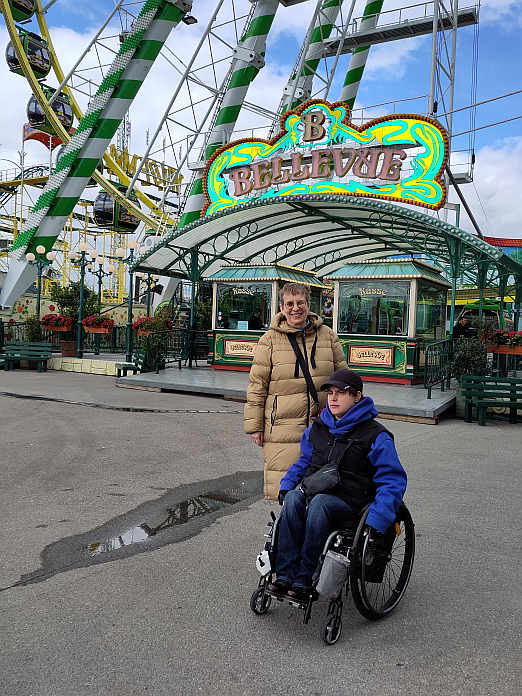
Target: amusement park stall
<point>245,299</point>
<point>385,313</point>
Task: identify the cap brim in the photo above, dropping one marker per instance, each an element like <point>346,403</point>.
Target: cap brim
<point>339,385</point>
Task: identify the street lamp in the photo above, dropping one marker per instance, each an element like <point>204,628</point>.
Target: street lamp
<point>100,274</point>
<point>150,281</point>
<point>120,253</point>
<point>41,259</point>
<point>80,259</point>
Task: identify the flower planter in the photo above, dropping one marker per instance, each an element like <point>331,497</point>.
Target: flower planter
<point>97,330</point>
<point>68,349</point>
<point>62,329</point>
<point>144,332</point>
<point>505,350</point>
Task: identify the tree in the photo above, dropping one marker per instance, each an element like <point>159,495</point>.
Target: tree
<point>68,300</point>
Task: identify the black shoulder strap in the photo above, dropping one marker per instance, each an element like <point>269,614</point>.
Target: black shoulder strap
<point>304,367</point>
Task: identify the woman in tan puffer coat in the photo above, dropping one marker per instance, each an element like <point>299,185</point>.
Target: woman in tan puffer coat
<point>279,406</point>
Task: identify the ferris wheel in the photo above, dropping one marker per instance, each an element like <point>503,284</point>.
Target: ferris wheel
<point>205,62</point>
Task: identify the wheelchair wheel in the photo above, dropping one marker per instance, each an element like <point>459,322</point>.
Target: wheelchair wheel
<point>260,601</point>
<point>376,597</point>
<point>334,625</point>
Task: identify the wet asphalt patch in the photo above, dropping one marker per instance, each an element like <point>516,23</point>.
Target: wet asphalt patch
<point>177,515</point>
<point>128,409</point>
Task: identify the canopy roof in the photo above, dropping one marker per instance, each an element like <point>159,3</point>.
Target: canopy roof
<point>320,233</point>
<point>268,272</point>
<point>375,270</point>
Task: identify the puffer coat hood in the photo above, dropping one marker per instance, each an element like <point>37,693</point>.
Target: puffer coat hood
<point>278,403</point>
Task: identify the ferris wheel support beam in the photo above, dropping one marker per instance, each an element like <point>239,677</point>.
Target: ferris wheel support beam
<point>360,55</point>
<point>110,163</point>
<point>81,155</point>
<point>173,98</point>
<point>299,86</point>
<point>247,62</point>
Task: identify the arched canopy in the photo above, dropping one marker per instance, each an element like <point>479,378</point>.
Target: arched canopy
<point>321,233</point>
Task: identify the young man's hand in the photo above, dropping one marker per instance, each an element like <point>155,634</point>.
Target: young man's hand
<point>257,438</point>
<point>281,497</point>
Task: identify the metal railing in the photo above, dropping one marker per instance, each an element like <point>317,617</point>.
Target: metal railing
<point>437,365</point>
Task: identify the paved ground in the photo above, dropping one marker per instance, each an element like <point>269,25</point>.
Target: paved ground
<point>174,618</point>
<point>389,398</point>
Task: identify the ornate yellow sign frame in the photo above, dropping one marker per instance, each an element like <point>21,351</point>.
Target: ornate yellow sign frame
<point>322,131</point>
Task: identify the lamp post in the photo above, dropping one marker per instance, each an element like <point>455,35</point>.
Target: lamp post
<point>41,259</point>
<point>120,253</point>
<point>151,282</point>
<point>80,259</point>
<point>100,274</point>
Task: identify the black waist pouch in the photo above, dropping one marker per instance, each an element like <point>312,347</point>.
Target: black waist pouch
<point>322,480</point>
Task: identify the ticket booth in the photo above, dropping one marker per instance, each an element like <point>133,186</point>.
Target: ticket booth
<point>385,313</point>
<point>245,298</point>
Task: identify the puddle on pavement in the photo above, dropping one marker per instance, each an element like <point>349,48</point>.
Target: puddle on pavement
<point>178,515</point>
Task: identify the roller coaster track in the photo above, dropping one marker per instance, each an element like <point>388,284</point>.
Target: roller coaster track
<point>84,149</point>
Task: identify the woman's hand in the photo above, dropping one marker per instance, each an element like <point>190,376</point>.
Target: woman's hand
<point>257,438</point>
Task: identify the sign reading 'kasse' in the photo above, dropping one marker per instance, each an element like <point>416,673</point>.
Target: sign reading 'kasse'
<point>398,158</point>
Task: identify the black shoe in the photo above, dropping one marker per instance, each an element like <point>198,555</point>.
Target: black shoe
<point>279,587</point>
<point>301,594</point>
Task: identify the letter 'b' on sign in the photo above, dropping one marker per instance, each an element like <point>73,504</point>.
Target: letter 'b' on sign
<point>313,125</point>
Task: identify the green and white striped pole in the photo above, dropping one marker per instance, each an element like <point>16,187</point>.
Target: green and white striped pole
<point>248,61</point>
<point>360,55</point>
<point>95,131</point>
<point>299,88</point>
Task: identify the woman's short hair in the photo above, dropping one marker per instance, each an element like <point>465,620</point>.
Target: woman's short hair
<point>294,289</point>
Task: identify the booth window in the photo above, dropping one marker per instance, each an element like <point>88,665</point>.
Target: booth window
<point>431,314</point>
<point>243,306</point>
<point>374,308</point>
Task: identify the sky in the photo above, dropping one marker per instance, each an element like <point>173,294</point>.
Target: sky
<point>396,70</point>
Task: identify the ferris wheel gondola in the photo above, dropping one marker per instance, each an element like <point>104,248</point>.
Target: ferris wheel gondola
<point>61,107</point>
<point>36,50</point>
<point>22,10</point>
<point>112,215</point>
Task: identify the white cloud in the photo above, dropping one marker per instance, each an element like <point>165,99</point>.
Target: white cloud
<point>507,11</point>
<point>497,177</point>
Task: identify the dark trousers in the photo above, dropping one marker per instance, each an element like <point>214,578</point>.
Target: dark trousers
<point>302,532</point>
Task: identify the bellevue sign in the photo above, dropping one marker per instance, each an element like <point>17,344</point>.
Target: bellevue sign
<point>320,152</point>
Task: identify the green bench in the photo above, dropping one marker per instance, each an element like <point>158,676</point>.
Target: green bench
<point>482,393</point>
<point>136,365</point>
<point>39,352</point>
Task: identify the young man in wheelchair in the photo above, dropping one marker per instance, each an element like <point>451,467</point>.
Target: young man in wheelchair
<point>347,461</point>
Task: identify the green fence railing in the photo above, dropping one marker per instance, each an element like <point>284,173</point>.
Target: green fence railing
<point>437,365</point>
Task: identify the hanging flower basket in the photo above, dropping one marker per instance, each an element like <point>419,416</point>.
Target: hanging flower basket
<point>146,325</point>
<point>56,322</point>
<point>505,350</point>
<point>97,330</point>
<point>98,324</point>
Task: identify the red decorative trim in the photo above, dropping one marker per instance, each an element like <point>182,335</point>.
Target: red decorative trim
<point>390,380</point>
<point>332,105</point>
<point>499,241</point>
<point>237,368</point>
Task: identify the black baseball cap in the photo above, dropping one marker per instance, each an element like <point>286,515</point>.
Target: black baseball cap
<point>344,379</point>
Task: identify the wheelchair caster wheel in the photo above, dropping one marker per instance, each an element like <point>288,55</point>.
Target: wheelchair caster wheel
<point>260,602</point>
<point>333,628</point>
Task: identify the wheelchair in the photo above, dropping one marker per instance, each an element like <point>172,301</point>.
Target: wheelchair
<point>375,572</point>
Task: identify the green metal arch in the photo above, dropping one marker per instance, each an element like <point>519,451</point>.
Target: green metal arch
<point>399,225</point>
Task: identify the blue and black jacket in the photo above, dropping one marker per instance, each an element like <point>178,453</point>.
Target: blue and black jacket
<point>367,460</point>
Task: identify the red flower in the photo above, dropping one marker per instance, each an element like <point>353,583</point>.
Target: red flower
<point>11,321</point>
<point>52,308</point>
